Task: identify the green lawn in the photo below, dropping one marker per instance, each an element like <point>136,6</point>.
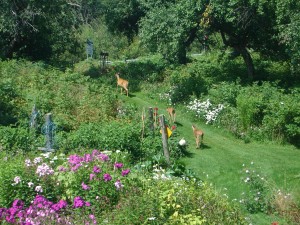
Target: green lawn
<point>220,161</point>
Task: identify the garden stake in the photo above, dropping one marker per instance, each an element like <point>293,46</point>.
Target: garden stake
<point>164,138</point>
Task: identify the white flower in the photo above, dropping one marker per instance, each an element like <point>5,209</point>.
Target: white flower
<point>37,160</point>
<point>39,189</point>
<point>27,162</point>
<point>118,151</point>
<point>30,184</point>
<point>17,180</point>
<point>151,218</point>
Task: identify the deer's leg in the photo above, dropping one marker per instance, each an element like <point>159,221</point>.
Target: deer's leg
<point>197,142</point>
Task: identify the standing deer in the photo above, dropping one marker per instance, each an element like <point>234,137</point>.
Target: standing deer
<point>122,83</point>
<point>172,114</point>
<point>198,134</point>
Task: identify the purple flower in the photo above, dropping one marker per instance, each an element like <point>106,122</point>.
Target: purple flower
<point>118,165</point>
<point>84,186</point>
<point>75,159</point>
<point>18,204</point>
<point>87,158</point>
<point>125,172</point>
<point>106,177</point>
<point>62,169</point>
<point>118,185</point>
<point>87,204</point>
<point>92,176</point>
<point>78,202</point>
<point>103,157</point>
<point>96,169</point>
<point>58,206</point>
<point>95,153</point>
<point>76,167</point>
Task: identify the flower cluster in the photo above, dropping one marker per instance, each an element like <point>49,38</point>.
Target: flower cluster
<point>205,109</point>
<point>43,170</point>
<point>160,174</point>
<point>40,211</point>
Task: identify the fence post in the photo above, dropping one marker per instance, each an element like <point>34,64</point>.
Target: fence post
<point>151,126</point>
<point>164,137</point>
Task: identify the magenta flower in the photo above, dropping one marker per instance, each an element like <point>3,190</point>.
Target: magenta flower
<point>84,186</point>
<point>58,206</point>
<point>92,176</point>
<point>118,165</point>
<point>78,202</point>
<point>88,158</point>
<point>103,157</point>
<point>96,169</point>
<point>106,177</point>
<point>87,204</point>
<point>18,204</point>
<point>125,172</point>
<point>75,159</point>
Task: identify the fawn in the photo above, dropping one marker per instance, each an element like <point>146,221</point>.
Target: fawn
<point>198,134</point>
<point>172,114</point>
<point>122,83</point>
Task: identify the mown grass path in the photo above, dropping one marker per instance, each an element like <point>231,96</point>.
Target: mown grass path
<point>221,159</point>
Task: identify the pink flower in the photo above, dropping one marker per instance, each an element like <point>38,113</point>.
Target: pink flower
<point>87,204</point>
<point>125,172</point>
<point>78,202</point>
<point>84,186</point>
<point>92,176</point>
<point>106,177</point>
<point>96,169</point>
<point>118,165</point>
<point>103,157</point>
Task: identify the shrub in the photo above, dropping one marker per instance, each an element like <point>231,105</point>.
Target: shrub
<point>168,200</point>
<point>123,135</point>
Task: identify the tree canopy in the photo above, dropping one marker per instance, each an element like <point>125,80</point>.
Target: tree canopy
<point>38,29</point>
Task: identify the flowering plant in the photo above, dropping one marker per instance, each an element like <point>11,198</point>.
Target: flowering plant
<point>97,176</point>
<point>205,109</point>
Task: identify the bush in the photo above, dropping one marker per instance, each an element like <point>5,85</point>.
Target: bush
<point>121,135</point>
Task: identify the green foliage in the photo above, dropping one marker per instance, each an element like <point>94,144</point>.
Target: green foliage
<point>123,16</point>
<point>171,35</point>
<point>17,139</point>
<point>19,180</point>
<point>173,201</point>
<point>123,135</point>
<point>258,197</point>
<point>103,40</point>
<point>26,27</point>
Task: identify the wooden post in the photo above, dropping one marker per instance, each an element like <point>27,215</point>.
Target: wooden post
<point>151,119</point>
<point>164,137</point>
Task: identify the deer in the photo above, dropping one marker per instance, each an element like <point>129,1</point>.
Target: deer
<point>198,134</point>
<point>172,114</point>
<point>122,83</point>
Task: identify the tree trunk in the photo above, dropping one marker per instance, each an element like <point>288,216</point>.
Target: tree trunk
<point>248,61</point>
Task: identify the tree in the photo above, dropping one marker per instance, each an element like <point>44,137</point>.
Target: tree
<point>171,27</point>
<point>288,20</point>
<point>36,29</point>
<point>242,24</point>
<point>122,16</point>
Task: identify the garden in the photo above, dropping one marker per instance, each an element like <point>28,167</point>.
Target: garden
<point>75,149</point>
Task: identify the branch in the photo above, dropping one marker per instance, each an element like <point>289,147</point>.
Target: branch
<point>74,4</point>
